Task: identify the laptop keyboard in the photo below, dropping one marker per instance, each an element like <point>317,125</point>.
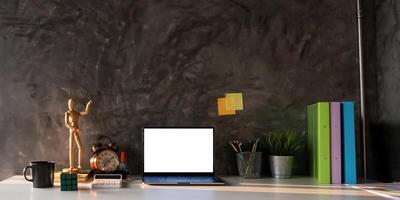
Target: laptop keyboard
<point>179,179</point>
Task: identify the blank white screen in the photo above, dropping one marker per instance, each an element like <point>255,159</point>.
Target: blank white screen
<point>178,150</point>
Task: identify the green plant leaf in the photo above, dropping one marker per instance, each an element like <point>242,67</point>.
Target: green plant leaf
<point>283,143</point>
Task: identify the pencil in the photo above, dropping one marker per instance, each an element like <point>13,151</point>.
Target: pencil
<point>240,147</point>
<point>233,146</point>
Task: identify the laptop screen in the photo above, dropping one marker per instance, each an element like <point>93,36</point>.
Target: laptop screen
<point>175,150</point>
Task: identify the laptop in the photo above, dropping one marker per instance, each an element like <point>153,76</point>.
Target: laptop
<point>179,156</point>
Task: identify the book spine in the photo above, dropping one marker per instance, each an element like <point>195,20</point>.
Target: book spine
<point>323,143</point>
<point>336,152</point>
<point>349,144</point>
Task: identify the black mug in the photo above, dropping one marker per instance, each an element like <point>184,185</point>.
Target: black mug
<point>42,173</point>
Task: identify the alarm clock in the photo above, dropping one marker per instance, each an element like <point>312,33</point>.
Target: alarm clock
<point>105,157</point>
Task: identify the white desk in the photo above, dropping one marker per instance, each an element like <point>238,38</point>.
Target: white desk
<point>17,187</point>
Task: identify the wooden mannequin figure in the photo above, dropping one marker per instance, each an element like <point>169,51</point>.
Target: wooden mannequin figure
<point>71,122</point>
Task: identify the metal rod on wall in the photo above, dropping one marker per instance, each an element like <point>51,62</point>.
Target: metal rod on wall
<point>362,92</point>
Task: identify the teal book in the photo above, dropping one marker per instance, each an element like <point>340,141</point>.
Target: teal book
<point>349,144</point>
<point>319,141</point>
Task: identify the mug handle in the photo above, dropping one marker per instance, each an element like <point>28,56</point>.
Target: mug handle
<point>25,173</point>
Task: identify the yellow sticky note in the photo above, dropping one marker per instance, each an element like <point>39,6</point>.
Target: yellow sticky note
<point>234,101</point>
<point>222,108</point>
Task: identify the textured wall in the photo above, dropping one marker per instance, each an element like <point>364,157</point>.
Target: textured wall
<point>385,123</point>
<point>164,63</point>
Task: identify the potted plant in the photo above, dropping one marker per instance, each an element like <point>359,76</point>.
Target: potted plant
<point>282,147</point>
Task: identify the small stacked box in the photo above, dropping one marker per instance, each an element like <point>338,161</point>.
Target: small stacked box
<point>83,176</point>
<point>69,182</point>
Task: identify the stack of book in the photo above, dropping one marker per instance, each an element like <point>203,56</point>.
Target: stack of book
<point>331,142</point>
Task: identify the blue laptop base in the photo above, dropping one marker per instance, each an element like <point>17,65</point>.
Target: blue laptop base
<point>182,180</point>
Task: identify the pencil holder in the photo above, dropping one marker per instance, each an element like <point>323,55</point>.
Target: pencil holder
<point>249,164</point>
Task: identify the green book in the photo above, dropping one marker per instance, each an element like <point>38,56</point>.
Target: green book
<point>311,119</point>
<point>319,142</point>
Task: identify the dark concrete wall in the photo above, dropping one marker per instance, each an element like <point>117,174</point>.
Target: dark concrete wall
<point>164,63</point>
<point>384,148</point>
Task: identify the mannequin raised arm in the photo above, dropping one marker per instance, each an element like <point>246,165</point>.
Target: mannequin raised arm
<point>87,109</point>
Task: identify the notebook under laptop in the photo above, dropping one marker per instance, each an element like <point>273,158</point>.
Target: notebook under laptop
<point>179,156</point>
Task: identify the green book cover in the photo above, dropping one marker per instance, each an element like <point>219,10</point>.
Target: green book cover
<point>318,126</point>
<point>311,121</point>
<point>323,158</point>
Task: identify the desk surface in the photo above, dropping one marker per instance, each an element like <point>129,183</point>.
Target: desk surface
<point>17,187</point>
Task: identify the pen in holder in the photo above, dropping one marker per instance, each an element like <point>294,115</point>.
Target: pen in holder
<point>249,164</point>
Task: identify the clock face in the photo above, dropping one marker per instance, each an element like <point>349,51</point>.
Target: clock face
<point>107,160</point>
